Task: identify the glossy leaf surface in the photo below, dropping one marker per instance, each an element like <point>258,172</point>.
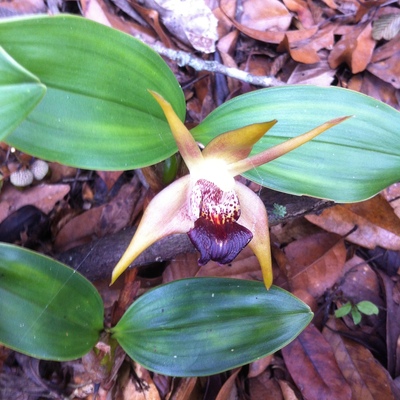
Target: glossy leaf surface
<point>97,112</point>
<point>350,162</point>
<point>20,92</point>
<point>47,310</point>
<point>203,326</point>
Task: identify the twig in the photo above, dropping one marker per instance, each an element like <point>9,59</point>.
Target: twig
<point>185,59</point>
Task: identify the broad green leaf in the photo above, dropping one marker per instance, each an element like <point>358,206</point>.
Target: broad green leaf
<point>350,162</point>
<point>344,310</point>
<point>203,326</point>
<point>47,310</point>
<point>356,315</point>
<point>367,308</point>
<point>97,112</point>
<point>20,92</point>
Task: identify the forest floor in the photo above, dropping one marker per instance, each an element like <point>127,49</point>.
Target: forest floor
<point>344,254</point>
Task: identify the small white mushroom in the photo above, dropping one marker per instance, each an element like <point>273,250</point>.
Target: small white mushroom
<point>39,169</point>
<point>21,178</point>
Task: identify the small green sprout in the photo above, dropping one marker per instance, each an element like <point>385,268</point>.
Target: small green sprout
<point>363,307</point>
<point>279,211</point>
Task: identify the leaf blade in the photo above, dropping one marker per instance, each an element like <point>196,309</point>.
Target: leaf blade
<point>47,310</point>
<point>97,113</point>
<point>20,92</point>
<point>203,326</point>
<point>350,162</point>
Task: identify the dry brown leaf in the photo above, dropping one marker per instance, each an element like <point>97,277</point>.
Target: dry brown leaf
<point>258,65</point>
<point>360,282</point>
<point>320,74</point>
<point>109,177</point>
<point>386,26</point>
<point>184,388</point>
<point>306,51</point>
<point>265,387</point>
<point>182,266</point>
<point>373,86</point>
<point>19,7</point>
<point>100,221</point>
<point>42,196</point>
<point>295,229</point>
<point>78,230</point>
<point>313,367</point>
<point>301,8</point>
<point>229,389</point>
<point>392,195</point>
<point>331,3</point>
<point>388,70</point>
<point>315,263</point>
<point>273,37</point>
<point>355,49</point>
<point>375,220</point>
<point>245,266</point>
<point>366,377</point>
<point>191,21</point>
<point>139,386</point>
<point>391,289</point>
<point>152,17</point>
<point>256,368</point>
<point>265,15</point>
<point>92,9</point>
<point>223,17</point>
<point>287,390</point>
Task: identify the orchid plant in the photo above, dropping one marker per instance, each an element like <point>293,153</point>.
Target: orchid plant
<point>220,214</point>
<point>88,119</point>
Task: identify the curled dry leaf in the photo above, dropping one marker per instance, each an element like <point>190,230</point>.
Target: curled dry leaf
<point>229,389</point>
<point>386,27</point>
<point>315,263</point>
<point>191,21</point>
<point>306,51</point>
<point>313,367</point>
<point>372,86</point>
<point>375,222</point>
<point>245,266</point>
<point>302,10</point>
<point>265,15</point>
<point>355,48</point>
<point>385,63</point>
<point>100,221</point>
<point>43,196</point>
<point>367,378</point>
<point>266,386</point>
<point>320,74</point>
<point>360,282</point>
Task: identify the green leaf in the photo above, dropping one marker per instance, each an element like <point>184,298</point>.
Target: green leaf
<point>47,310</point>
<point>350,162</point>
<point>355,314</point>
<point>203,326</point>
<point>97,112</point>
<point>20,92</point>
<point>367,308</point>
<point>344,310</point>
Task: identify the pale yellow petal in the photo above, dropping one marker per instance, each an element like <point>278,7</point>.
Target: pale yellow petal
<point>187,146</point>
<point>254,217</point>
<point>235,145</point>
<point>279,150</point>
<point>166,214</point>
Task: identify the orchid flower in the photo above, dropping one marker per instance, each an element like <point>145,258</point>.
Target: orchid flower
<point>220,214</point>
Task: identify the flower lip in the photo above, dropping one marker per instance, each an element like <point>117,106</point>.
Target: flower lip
<point>216,234</point>
<point>218,242</point>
